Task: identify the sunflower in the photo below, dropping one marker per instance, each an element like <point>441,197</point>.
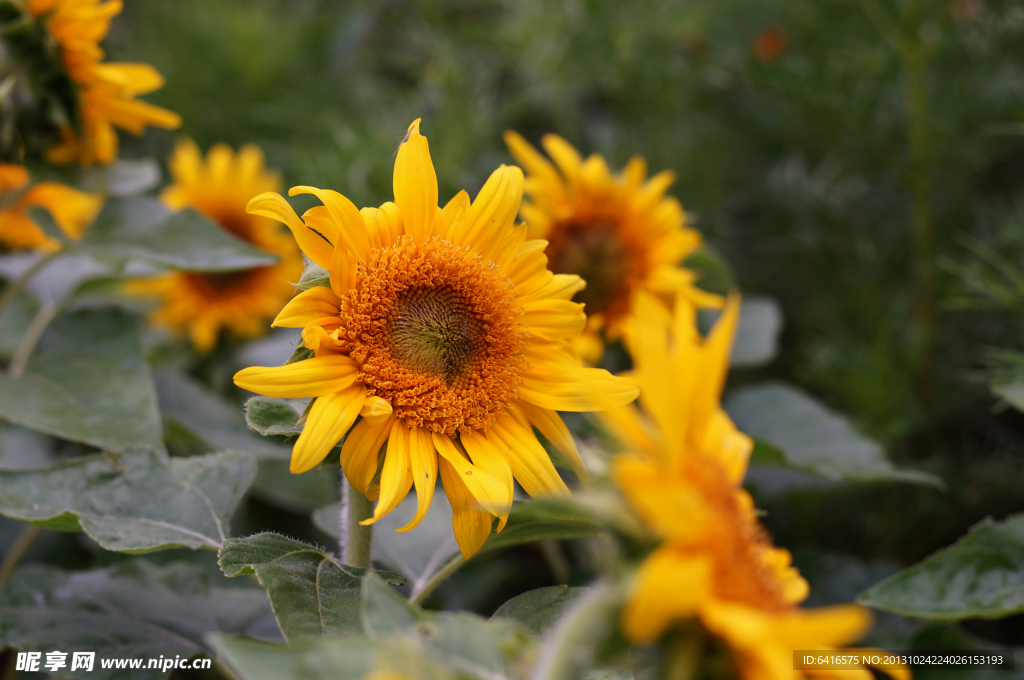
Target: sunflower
<point>741,588</point>
<point>202,304</point>
<point>621,234</point>
<point>72,210</point>
<point>445,330</point>
<point>684,460</point>
<point>106,91</point>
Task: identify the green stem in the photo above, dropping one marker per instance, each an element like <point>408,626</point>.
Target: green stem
<point>685,647</point>
<point>17,284</point>
<point>29,341</point>
<point>356,539</point>
<point>22,543</point>
<point>421,592</point>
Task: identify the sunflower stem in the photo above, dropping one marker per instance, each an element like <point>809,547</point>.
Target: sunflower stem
<point>31,338</point>
<point>12,289</point>
<point>420,592</point>
<point>19,548</point>
<point>356,539</point>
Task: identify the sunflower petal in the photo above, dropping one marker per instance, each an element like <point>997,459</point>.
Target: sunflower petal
<point>493,494</point>
<point>530,463</point>
<point>471,526</point>
<point>328,420</point>
<point>316,377</point>
<point>551,426</point>
<point>376,410</point>
<point>307,306</point>
<point>395,478</point>
<point>656,600</point>
<point>554,319</point>
<point>345,215</point>
<point>489,458</point>
<point>423,463</point>
<point>274,206</point>
<point>415,184</point>
<point>359,452</point>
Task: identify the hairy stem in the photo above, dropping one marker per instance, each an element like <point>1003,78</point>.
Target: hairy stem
<point>17,284</point>
<point>355,538</point>
<point>22,543</point>
<point>29,341</point>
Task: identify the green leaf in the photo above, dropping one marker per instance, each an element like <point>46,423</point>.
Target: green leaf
<point>1012,393</point>
<point>270,416</point>
<point>143,229</point>
<point>460,640</point>
<point>352,657</point>
<point>137,502</point>
<point>314,275</point>
<point>813,438</point>
<point>313,595</point>
<point>981,576</point>
<point>191,405</point>
<point>531,521</point>
<point>88,382</point>
<point>134,609</point>
<point>538,610</point>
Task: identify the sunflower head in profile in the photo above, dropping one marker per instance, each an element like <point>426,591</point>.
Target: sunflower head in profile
<point>72,210</point>
<point>201,305</point>
<point>620,233</point>
<point>446,335</point>
<point>101,95</point>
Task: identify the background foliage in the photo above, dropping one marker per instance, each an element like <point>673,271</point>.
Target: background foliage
<point>860,162</point>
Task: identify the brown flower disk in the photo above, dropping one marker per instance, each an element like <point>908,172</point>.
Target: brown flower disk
<point>436,332</point>
<point>598,252</point>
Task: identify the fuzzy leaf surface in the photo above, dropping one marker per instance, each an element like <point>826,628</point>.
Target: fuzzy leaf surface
<point>538,610</point>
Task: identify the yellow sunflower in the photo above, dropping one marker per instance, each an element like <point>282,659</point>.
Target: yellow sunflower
<point>446,331</point>
<point>620,233</point>
<point>742,589</point>
<point>681,473</point>
<point>72,210</point>
<point>202,304</point>
<point>106,91</point>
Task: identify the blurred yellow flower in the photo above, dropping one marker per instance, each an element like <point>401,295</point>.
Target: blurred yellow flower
<point>681,376</point>
<point>681,473</point>
<point>742,589</point>
<point>106,91</point>
<point>200,305</point>
<point>446,331</point>
<point>72,210</point>
<point>621,234</point>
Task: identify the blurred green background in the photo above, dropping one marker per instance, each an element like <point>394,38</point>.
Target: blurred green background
<point>863,162</point>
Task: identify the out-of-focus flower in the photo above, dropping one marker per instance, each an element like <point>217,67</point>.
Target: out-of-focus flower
<point>72,210</point>
<point>769,44</point>
<point>446,331</point>
<point>106,91</point>
<point>201,305</point>
<point>680,473</point>
<point>621,234</point>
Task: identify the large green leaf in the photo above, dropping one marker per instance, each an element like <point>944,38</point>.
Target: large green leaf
<point>143,229</point>
<point>192,406</point>
<point>313,594</point>
<point>813,438</point>
<point>133,609</point>
<point>980,576</point>
<point>302,493</point>
<point>14,321</point>
<point>87,382</point>
<point>538,610</point>
<point>136,502</point>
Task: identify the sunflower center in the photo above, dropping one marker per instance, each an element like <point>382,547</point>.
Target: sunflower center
<point>594,252</point>
<point>436,333</point>
<point>219,282</point>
